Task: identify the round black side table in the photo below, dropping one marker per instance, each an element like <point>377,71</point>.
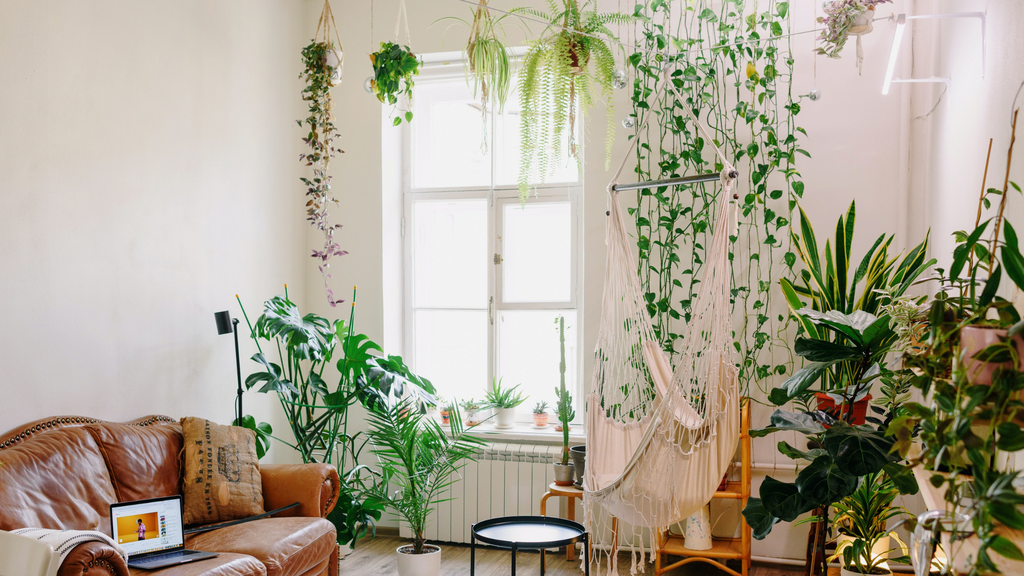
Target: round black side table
<point>528,533</point>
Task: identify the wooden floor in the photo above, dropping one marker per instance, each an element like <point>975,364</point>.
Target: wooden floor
<point>377,556</point>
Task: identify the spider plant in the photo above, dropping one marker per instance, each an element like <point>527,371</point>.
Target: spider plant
<point>560,72</point>
<point>418,461</point>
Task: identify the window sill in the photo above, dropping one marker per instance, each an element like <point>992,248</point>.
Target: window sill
<point>526,433</point>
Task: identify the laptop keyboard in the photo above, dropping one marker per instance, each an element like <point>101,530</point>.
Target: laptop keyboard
<point>161,557</point>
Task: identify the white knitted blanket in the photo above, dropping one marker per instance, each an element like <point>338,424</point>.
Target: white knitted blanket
<point>64,541</point>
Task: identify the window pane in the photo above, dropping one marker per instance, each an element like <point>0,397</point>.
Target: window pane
<point>447,134</point>
<point>449,253</point>
<point>506,149</point>
<point>529,354</point>
<point>537,252</point>
<point>451,351</point>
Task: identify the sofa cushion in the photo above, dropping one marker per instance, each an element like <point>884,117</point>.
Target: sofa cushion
<point>221,472</point>
<point>286,546</point>
<point>142,460</point>
<point>223,565</point>
<point>56,479</point>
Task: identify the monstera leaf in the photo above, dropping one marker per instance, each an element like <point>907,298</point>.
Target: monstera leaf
<point>309,337</point>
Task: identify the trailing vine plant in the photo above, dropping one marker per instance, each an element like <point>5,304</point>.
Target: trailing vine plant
<point>317,74</point>
<point>557,81</point>
<point>738,80</point>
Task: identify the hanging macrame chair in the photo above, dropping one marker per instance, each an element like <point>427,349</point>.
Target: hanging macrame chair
<point>658,440</point>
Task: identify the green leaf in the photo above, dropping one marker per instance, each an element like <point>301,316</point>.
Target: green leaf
<point>1011,438</point>
<point>1008,515</point>
<point>963,251</point>
<point>824,351</point>
<point>1014,264</point>
<point>759,520</point>
<point>783,500</point>
<point>396,121</point>
<point>990,288</point>
<point>786,450</point>
<point>902,477</point>
<point>859,450</point>
<point>801,380</point>
<point>1005,548</point>
<point>823,482</point>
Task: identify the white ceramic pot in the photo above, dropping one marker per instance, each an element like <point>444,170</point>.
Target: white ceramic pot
<point>336,60</point>
<point>880,549</point>
<point>344,549</point>
<point>862,22</point>
<point>697,531</point>
<point>475,417</point>
<point>506,418</point>
<point>426,564</point>
<point>564,475</point>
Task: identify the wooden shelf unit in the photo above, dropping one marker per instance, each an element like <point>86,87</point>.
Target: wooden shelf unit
<point>722,549</point>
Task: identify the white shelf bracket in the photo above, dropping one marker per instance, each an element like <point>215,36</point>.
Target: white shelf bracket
<point>897,40</point>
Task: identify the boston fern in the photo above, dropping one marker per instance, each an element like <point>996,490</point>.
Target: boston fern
<point>557,81</point>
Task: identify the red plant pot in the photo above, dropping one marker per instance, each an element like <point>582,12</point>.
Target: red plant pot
<point>860,408</point>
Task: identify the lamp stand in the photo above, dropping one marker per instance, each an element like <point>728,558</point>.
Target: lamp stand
<point>238,370</point>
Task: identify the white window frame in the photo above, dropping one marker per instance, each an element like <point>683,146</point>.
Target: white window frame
<point>440,66</point>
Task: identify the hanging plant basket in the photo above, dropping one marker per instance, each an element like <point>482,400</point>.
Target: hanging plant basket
<point>394,65</point>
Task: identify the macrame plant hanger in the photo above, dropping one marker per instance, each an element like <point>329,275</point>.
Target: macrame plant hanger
<point>403,18</point>
<point>324,27</point>
<point>660,438</point>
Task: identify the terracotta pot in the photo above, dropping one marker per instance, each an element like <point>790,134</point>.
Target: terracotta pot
<point>445,418</point>
<point>860,408</point>
<point>558,428</point>
<point>724,483</point>
<point>564,474</point>
<point>540,420</point>
<point>974,339</point>
<point>426,564</point>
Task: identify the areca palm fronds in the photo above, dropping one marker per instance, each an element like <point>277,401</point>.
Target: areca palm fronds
<point>418,460</point>
<point>557,82</point>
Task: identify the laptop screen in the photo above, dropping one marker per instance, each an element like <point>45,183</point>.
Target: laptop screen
<point>147,526</point>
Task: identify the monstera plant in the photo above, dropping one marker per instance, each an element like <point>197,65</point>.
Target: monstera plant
<point>318,412</point>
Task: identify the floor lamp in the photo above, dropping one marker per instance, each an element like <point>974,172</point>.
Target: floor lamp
<point>228,325</point>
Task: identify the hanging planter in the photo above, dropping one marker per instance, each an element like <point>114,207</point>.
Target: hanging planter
<point>322,63</point>
<point>394,66</point>
<point>845,18</point>
<point>490,66</point>
<point>562,72</point>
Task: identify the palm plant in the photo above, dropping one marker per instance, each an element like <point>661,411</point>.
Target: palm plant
<point>557,81</point>
<point>863,517</point>
<point>418,460</point>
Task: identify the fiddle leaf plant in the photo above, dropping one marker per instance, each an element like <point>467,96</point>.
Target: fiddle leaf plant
<point>393,68</point>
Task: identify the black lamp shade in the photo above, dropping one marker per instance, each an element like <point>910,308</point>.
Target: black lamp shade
<point>223,322</point>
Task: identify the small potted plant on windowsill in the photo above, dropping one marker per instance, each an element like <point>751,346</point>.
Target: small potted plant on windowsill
<point>504,402</point>
<point>540,415</point>
<point>474,412</point>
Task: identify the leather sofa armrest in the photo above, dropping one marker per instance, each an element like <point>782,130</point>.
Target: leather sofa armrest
<point>314,486</point>
<point>93,559</point>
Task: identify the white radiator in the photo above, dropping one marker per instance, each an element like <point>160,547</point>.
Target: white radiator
<point>505,480</point>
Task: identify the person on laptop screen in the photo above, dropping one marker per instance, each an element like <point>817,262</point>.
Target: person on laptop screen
<point>141,530</point>
<point>160,518</point>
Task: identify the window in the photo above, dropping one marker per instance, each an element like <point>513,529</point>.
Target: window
<point>485,278</point>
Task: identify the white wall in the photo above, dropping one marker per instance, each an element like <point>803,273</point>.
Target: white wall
<point>148,173</point>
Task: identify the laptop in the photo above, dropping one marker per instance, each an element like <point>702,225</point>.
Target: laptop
<point>151,532</point>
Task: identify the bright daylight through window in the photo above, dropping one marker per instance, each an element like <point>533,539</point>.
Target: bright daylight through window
<point>486,278</point>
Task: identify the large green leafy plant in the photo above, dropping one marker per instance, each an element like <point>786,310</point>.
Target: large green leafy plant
<point>560,75</point>
<point>318,412</point>
<point>418,460</point>
<point>732,63</point>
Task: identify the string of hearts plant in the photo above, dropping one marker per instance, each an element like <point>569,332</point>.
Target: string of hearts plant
<point>321,71</point>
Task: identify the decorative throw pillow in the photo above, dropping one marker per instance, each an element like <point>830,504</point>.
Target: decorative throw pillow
<point>221,472</point>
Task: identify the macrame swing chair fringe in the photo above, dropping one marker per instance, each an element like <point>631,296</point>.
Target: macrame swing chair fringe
<point>659,439</point>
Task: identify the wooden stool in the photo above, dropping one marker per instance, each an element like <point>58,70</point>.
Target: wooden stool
<point>570,493</point>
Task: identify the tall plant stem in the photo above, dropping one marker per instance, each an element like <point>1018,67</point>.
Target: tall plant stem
<point>1006,186</point>
<point>981,202</point>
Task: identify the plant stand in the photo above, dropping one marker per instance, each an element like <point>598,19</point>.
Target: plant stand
<point>722,549</point>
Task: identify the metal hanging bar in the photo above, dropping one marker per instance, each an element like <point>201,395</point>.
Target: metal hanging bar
<point>696,179</point>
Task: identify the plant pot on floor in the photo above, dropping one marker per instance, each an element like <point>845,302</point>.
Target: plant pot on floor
<point>579,462</point>
<point>860,408</point>
<point>564,474</point>
<point>974,339</point>
<point>506,419</point>
<point>426,564</point>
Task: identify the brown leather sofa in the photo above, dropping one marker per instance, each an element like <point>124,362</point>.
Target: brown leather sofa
<point>64,472</point>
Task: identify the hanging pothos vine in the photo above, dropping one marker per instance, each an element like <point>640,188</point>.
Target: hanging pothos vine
<point>741,89</point>
<point>322,61</point>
